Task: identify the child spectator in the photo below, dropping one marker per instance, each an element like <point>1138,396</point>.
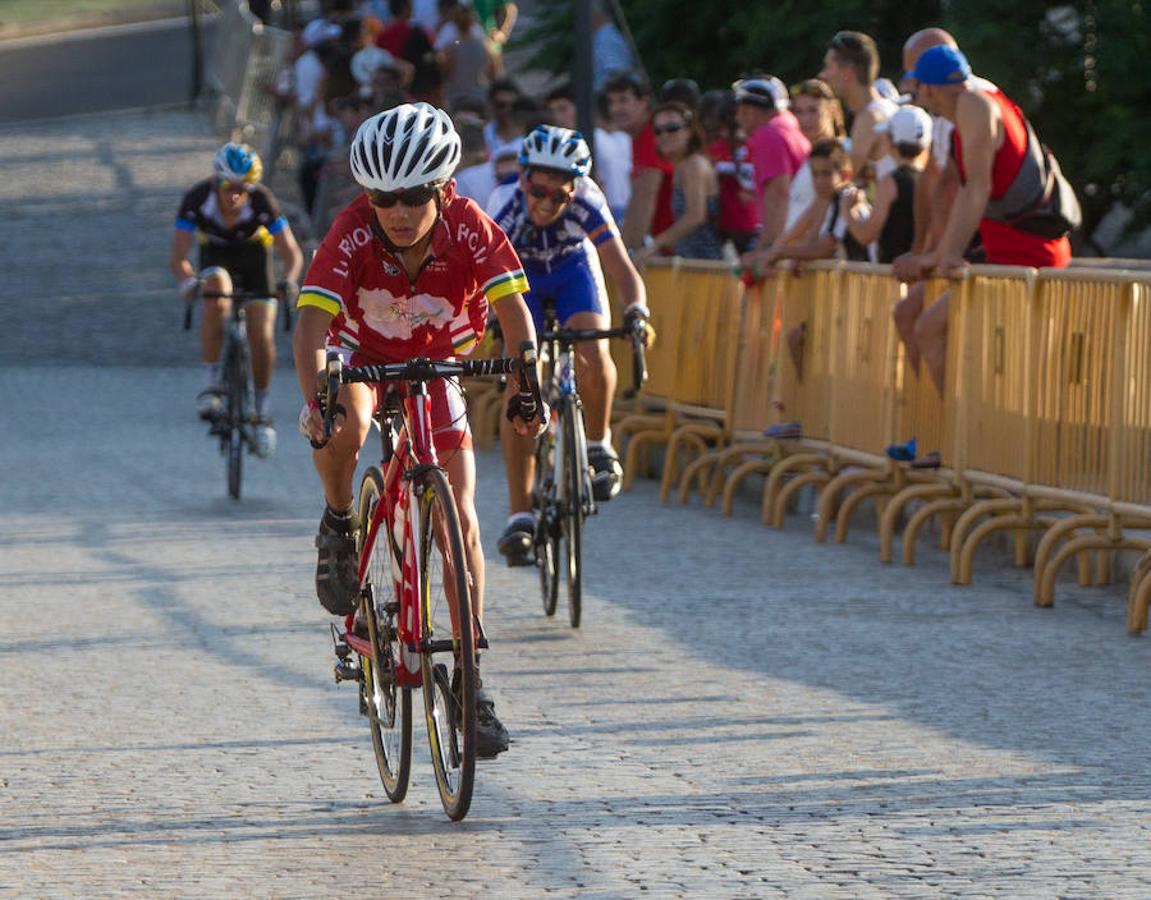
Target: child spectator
<point>890,221</point>
<point>820,118</point>
<point>821,232</point>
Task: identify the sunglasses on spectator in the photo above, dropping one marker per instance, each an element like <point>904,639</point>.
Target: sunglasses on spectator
<point>234,187</point>
<point>412,198</point>
<point>559,196</point>
<point>670,128</point>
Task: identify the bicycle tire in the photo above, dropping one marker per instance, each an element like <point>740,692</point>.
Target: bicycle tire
<point>235,375</point>
<point>389,706</point>
<point>546,538</point>
<point>573,510</point>
<point>451,721</point>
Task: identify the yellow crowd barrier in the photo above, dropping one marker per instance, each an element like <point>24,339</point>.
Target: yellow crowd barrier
<point>695,311</point>
<point>1043,427</point>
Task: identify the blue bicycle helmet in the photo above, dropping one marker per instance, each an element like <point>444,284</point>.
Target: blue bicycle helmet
<point>557,149</point>
<point>238,162</point>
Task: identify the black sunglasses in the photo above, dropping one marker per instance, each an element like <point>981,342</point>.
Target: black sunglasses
<point>234,187</point>
<point>412,197</point>
<point>559,196</point>
<point>671,128</point>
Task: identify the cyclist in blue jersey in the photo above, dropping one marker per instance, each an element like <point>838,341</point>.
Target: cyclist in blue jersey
<point>236,221</point>
<point>559,223</point>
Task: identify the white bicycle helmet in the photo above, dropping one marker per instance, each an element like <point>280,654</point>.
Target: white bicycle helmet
<point>238,162</point>
<point>557,149</point>
<point>407,146</point>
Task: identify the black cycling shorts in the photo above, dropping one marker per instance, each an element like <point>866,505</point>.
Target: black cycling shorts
<point>249,264</point>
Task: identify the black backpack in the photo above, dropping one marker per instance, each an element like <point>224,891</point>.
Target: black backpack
<point>1040,200</point>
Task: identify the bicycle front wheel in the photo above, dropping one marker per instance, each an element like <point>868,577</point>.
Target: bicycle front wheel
<point>547,532</point>
<point>388,705</point>
<point>447,658</point>
<point>574,469</point>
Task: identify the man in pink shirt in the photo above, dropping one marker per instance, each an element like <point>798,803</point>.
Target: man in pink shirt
<point>776,149</point>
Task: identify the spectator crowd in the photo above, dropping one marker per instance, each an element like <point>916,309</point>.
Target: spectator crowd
<point>844,164</point>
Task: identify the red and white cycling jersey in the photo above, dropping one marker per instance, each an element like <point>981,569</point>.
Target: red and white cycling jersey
<point>381,314</point>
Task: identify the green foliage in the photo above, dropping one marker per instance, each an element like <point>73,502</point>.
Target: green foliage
<point>1080,71</point>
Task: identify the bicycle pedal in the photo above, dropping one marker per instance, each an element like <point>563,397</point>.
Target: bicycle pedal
<point>339,645</point>
<point>348,671</point>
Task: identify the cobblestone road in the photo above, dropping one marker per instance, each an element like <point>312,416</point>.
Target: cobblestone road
<point>744,712</point>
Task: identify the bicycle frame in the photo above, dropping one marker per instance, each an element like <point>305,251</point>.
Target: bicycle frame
<point>561,390</point>
<point>411,451</point>
<point>404,460</point>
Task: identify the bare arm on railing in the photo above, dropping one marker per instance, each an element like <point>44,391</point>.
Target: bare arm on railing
<point>979,127</point>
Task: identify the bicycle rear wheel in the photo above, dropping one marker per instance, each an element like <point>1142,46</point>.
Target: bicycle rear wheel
<point>547,534</point>
<point>447,658</point>
<point>236,411</point>
<point>574,466</point>
<point>389,706</point>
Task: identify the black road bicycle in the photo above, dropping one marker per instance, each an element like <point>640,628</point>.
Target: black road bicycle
<point>562,494</point>
<point>232,425</point>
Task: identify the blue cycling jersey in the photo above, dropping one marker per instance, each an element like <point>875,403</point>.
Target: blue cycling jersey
<point>586,222</point>
<point>561,261</point>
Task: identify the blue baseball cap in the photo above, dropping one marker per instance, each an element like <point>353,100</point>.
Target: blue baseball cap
<point>941,65</point>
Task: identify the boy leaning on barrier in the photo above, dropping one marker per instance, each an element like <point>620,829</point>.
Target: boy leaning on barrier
<point>889,222</point>
<point>237,221</point>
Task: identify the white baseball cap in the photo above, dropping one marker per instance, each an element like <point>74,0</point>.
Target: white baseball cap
<point>764,91</point>
<point>907,125</point>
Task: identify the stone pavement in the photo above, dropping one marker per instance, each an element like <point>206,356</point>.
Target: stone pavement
<point>743,712</point>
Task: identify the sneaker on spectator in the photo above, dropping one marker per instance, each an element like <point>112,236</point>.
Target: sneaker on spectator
<point>784,431</point>
<point>209,404</point>
<point>263,435</point>
<point>607,474</point>
<point>902,452</point>
<point>515,544</point>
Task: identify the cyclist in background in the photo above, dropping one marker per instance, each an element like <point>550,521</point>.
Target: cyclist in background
<point>555,215</point>
<point>237,220</point>
<point>408,269</point>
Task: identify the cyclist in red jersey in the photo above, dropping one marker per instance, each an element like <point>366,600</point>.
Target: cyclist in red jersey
<point>406,270</point>
<point>990,150</point>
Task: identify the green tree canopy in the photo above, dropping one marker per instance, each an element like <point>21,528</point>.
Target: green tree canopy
<point>1077,70</point>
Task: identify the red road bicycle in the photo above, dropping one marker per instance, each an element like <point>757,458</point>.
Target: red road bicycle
<point>414,598</point>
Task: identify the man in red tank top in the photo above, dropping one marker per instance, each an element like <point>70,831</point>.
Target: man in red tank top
<point>990,148</point>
